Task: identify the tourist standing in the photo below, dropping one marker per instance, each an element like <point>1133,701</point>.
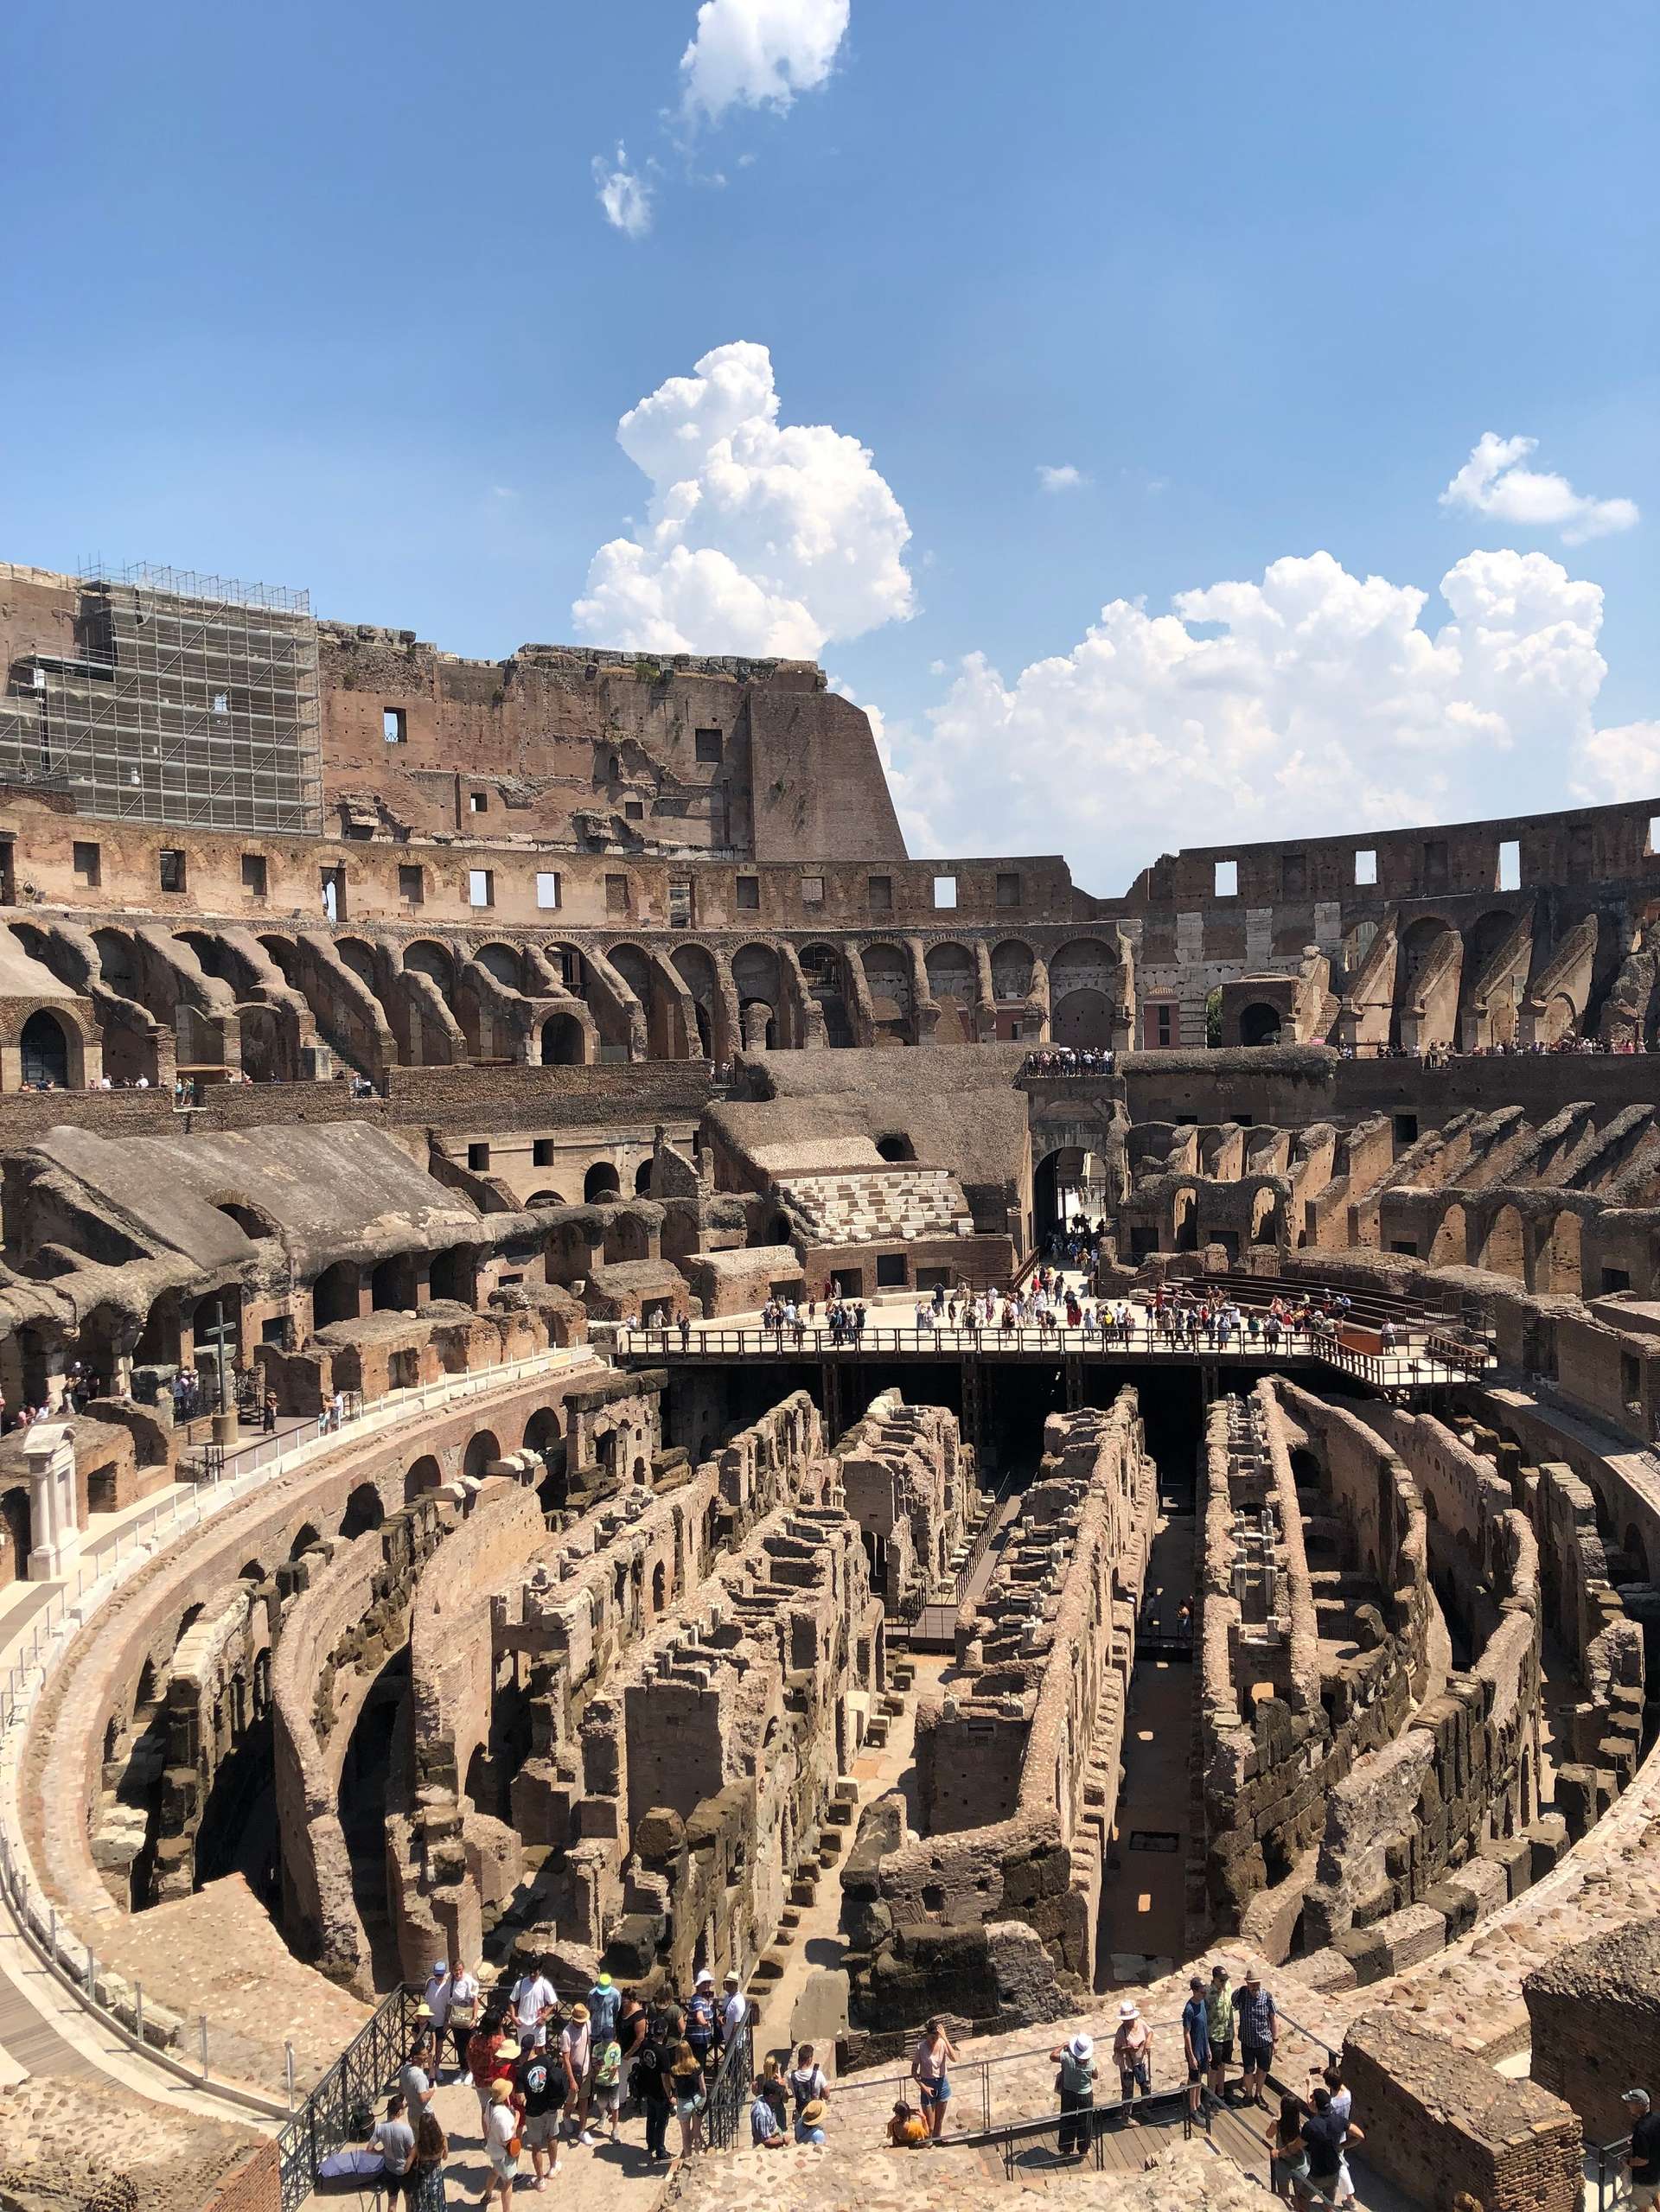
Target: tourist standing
<point>1196,2042</point>
<point>463,2011</point>
<point>576,2048</point>
<point>533,2000</point>
<point>765,2133</point>
<point>807,2080</point>
<point>437,1997</point>
<point>649,2085</point>
<point>1076,2084</point>
<point>1326,2138</point>
<point>1133,2052</point>
<point>1288,2153</point>
<point>432,2148</point>
<point>1219,2028</point>
<point>1258,2030</point>
<point>734,2010</point>
<point>685,2080</point>
<point>1642,2158</point>
<point>930,2071</point>
<point>394,2139</point>
<point>487,2055</point>
<point>701,2020</point>
<point>501,2145</point>
<point>540,2090</point>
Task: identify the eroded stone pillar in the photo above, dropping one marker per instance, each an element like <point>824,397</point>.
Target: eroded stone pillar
<point>49,1453</point>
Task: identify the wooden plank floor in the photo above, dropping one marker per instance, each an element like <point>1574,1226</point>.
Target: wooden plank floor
<point>31,2040</point>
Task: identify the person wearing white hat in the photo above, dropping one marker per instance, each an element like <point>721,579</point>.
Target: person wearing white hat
<point>1133,2052</point>
<point>1076,2084</point>
<point>701,2021</point>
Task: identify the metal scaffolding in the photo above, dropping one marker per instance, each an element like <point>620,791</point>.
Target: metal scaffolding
<point>189,700</point>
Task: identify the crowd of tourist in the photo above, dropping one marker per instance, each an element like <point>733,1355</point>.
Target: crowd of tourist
<point>1068,1059</point>
<point>552,2076</point>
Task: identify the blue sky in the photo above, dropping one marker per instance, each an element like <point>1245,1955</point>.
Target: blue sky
<point>328,298</point>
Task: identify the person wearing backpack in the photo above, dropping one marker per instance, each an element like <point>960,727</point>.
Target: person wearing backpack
<point>1076,2083</point>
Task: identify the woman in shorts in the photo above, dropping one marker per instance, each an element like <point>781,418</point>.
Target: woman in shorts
<point>930,2071</point>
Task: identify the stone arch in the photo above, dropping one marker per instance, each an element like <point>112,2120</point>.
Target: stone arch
<point>695,966</point>
<point>1184,1219</point>
<point>825,974</point>
<point>1012,963</point>
<point>642,1177</point>
<point>482,1449</point>
<point>887,974</point>
<point>363,1512</point>
<point>1504,1245</point>
<point>1057,1172</point>
<point>1265,1217</point>
<point>505,962</point>
<point>422,1475</point>
<point>305,1539</point>
<point>427,957</point>
<point>601,1183</point>
<point>896,1146</point>
<point>758,981</point>
<point>950,970</point>
<point>1083,1019</point>
<point>1259,1024</point>
<point>360,956</point>
<point>1450,1240</point>
<point>564,1042</point>
<point>1082,987</point>
<point>49,1051</point>
<point>546,1198</point>
<point>334,1294</point>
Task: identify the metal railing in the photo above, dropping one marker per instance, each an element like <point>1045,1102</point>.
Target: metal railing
<point>334,2112</point>
<point>1143,1338</point>
<point>729,2093</point>
<point>160,2037</point>
<point>1085,2129</point>
<point>1613,2180</point>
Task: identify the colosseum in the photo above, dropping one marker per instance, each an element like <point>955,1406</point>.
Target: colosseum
<point>612,1382</point>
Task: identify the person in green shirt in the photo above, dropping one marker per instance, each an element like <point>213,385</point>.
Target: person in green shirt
<point>1219,2022</point>
<point>608,2084</point>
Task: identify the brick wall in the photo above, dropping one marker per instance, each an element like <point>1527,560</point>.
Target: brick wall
<point>1595,2012</point>
<point>1437,2120</point>
<point>253,2186</point>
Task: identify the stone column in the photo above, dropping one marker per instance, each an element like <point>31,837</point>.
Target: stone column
<point>50,1455</point>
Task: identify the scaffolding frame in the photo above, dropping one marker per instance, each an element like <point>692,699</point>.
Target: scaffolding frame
<point>190,701</point>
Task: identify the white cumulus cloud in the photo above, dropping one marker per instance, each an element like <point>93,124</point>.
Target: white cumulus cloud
<point>759,538</point>
<point>624,195</point>
<point>1309,702</point>
<point>759,53</point>
<point>1622,761</point>
<point>1493,482</point>
<point>1064,478</point>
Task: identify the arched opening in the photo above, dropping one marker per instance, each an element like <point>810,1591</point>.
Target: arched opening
<point>643,1178</point>
<point>1258,1024</point>
<point>896,1146</point>
<point>950,972</point>
<point>1265,1217</point>
<point>45,1049</point>
<point>659,1587</point>
<point>363,1512</point>
<point>1056,1190</point>
<point>426,1475</point>
<point>13,1523</point>
<point>1185,1225</point>
<point>1504,1249</point>
<point>307,1538</point>
<point>334,1294</point>
<point>451,1274</point>
<point>546,1198</point>
<point>480,1452</point>
<point>251,1570</point>
<point>1449,1247</point>
<point>434,961</point>
<point>822,969</point>
<point>1083,1019</point>
<point>392,1286</point>
<point>601,1183</point>
<point>248,1219</point>
<point>563,1041</point>
<point>887,973</point>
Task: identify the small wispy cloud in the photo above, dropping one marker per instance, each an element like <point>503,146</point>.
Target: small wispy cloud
<point>1063,478</point>
<point>1492,482</point>
<point>623,194</point>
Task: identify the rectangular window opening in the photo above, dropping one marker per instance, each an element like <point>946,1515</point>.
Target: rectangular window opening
<point>709,747</point>
<point>171,865</point>
<point>1406,1129</point>
<point>481,887</point>
<point>1366,867</point>
<point>1293,875</point>
<point>881,894</point>
<point>812,890</point>
<point>254,874</point>
<point>617,894</point>
<point>1652,847</point>
<point>221,702</point>
<point>1510,865</point>
<point>541,1153</point>
<point>89,864</point>
<point>478,802</point>
<point>1008,890</point>
<point>945,890</point>
<point>478,1156</point>
<point>749,894</point>
<point>890,1271</point>
<point>394,724</point>
<point>412,887</point>
<point>547,888</point>
<point>682,906</point>
<point>634,810</point>
<point>1227,884</point>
